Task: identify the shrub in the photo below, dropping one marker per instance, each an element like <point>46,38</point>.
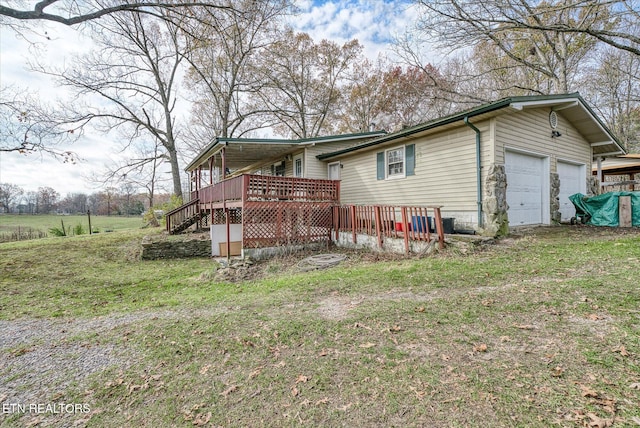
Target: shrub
<point>79,229</point>
<point>150,216</point>
<point>58,231</point>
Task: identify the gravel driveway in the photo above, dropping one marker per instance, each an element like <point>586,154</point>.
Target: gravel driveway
<point>41,358</point>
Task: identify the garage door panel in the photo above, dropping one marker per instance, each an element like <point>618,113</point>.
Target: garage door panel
<point>572,181</point>
<point>524,188</point>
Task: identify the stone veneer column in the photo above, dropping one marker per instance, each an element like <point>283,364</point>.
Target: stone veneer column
<point>555,198</point>
<point>494,204</point>
<point>593,186</point>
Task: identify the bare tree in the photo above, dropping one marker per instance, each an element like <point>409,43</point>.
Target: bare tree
<point>72,12</point>
<point>510,50</point>
<point>457,23</point>
<point>26,128</point>
<point>222,75</point>
<point>144,170</point>
<point>613,84</point>
<point>302,82</point>
<point>47,200</point>
<point>363,95</point>
<point>9,194</point>
<point>129,83</point>
<point>74,203</point>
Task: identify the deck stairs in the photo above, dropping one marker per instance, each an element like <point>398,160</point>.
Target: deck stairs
<point>185,216</point>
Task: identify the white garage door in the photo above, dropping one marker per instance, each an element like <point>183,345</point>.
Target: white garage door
<point>525,185</point>
<point>572,181</point>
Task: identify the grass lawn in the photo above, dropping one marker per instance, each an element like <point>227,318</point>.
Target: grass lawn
<point>537,330</point>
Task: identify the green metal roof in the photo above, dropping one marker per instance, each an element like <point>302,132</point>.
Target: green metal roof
<point>609,147</point>
<point>272,144</point>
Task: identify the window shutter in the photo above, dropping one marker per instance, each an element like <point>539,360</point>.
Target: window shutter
<point>410,158</point>
<point>380,161</point>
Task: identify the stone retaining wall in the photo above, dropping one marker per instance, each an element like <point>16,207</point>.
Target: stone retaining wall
<point>175,247</point>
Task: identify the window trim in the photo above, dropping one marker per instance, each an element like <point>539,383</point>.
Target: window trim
<point>338,165</point>
<point>295,159</point>
<point>275,166</point>
<point>387,163</point>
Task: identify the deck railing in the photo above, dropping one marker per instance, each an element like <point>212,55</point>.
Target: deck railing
<point>402,222</point>
<point>270,188</point>
<point>181,216</point>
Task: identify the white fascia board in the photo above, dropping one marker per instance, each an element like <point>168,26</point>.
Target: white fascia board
<point>541,103</point>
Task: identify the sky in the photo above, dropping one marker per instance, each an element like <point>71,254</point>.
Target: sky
<point>373,23</point>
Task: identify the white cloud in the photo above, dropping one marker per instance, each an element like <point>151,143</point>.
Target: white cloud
<point>374,24</point>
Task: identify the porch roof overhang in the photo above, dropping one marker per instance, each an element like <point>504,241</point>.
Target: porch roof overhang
<point>620,165</point>
<point>243,153</point>
<point>572,107</point>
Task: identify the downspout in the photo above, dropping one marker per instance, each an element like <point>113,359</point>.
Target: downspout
<point>478,171</point>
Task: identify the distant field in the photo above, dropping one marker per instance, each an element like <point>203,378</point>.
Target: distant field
<point>20,227</point>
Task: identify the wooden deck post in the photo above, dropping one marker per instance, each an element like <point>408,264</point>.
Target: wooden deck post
<point>378,225</point>
<point>352,210</point>
<point>405,229</point>
<point>439,228</point>
<point>224,204</point>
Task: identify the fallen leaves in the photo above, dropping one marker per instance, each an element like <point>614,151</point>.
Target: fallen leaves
<point>229,390</point>
<point>525,327</point>
<point>587,391</point>
<point>482,347</point>
<point>302,379</point>
<point>558,371</point>
<point>622,351</point>
<point>295,391</point>
<point>255,373</point>
<point>598,422</point>
<point>201,419</point>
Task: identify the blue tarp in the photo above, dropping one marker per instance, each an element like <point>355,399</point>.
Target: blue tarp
<point>602,210</point>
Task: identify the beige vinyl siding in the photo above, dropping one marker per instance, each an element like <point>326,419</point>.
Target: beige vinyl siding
<point>529,130</point>
<point>316,169</point>
<point>445,173</point>
<point>312,167</point>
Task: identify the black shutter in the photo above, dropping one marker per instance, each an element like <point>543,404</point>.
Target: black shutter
<point>410,158</point>
<point>380,161</point>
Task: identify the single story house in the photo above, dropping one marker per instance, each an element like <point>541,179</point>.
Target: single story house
<point>507,163</point>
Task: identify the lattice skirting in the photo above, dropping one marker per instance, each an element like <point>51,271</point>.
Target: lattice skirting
<point>273,223</point>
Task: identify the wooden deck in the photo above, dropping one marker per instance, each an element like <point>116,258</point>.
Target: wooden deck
<point>263,200</point>
<point>234,192</point>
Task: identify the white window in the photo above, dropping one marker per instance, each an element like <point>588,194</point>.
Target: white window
<point>395,162</point>
<point>278,169</point>
<point>334,171</point>
<point>298,169</point>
